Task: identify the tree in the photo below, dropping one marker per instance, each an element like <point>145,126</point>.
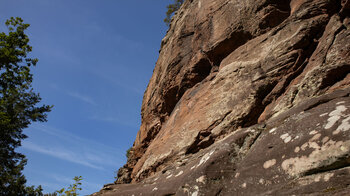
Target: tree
<point>171,9</point>
<point>17,106</point>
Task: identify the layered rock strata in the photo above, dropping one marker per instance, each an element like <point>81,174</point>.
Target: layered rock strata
<point>247,97</point>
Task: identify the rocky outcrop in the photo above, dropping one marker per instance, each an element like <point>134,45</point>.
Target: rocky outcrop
<point>304,150</point>
<point>247,97</point>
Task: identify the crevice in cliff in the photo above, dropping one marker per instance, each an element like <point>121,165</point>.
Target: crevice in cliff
<point>275,13</point>
<point>335,75</point>
<point>227,46</point>
<point>262,92</point>
<point>196,75</point>
<point>243,144</point>
<point>170,194</point>
<point>345,8</point>
<point>204,138</point>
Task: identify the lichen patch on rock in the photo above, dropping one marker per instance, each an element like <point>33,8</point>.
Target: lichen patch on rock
<point>269,163</point>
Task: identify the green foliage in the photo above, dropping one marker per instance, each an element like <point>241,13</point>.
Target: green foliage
<point>50,194</point>
<point>32,191</point>
<point>72,189</point>
<point>17,106</point>
<point>171,9</point>
<point>128,152</point>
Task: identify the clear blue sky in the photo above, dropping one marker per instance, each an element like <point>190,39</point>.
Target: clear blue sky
<point>95,60</point>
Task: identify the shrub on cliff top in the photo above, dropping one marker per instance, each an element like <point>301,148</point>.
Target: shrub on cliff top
<point>171,9</point>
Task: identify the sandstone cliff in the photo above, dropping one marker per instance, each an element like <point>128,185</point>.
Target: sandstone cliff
<point>247,98</point>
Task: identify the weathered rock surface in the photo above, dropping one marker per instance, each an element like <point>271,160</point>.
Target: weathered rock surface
<point>247,98</point>
<point>305,150</point>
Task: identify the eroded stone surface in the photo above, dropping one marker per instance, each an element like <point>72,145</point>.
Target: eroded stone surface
<point>256,161</point>
<point>292,60</point>
<point>246,96</point>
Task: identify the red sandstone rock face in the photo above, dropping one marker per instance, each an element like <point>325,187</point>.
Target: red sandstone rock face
<point>229,66</point>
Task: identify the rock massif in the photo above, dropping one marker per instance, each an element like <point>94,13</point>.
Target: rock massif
<point>247,98</point>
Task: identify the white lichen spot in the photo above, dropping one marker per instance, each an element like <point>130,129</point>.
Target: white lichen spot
<point>272,130</point>
<point>331,121</point>
<point>315,137</point>
<point>314,145</point>
<point>169,176</point>
<point>195,193</point>
<point>201,179</point>
<point>340,102</point>
<point>154,189</point>
<point>269,163</point>
<point>181,172</point>
<point>237,175</point>
<point>261,181</point>
<point>338,110</point>
<point>334,116</point>
<point>325,139</point>
<point>286,137</point>
<point>345,125</point>
<point>297,149</point>
<point>186,189</point>
<point>249,131</point>
<point>324,114</point>
<point>303,147</point>
<point>296,137</point>
<point>313,132</point>
<point>317,178</point>
<point>342,148</point>
<point>328,176</point>
<point>244,185</point>
<point>336,132</point>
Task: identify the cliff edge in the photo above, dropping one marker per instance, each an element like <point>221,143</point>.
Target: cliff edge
<point>246,98</point>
